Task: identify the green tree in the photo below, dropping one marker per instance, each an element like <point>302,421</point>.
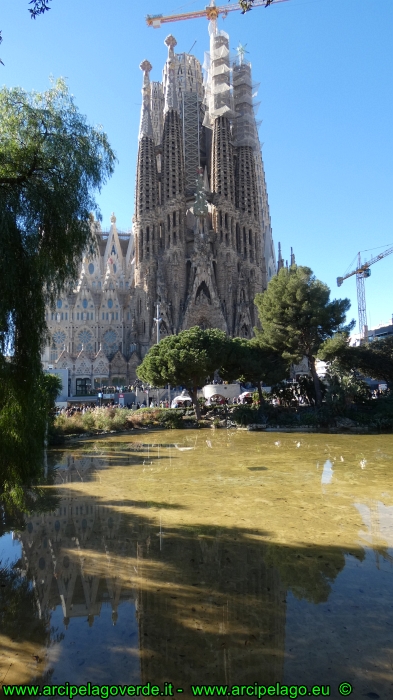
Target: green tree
<point>248,361</point>
<point>187,359</point>
<point>51,162</point>
<point>297,316</point>
<point>373,359</point>
<point>345,387</point>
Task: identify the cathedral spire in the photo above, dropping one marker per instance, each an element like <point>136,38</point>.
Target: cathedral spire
<point>146,176</point>
<point>280,261</point>
<point>146,128</point>
<point>172,163</point>
<point>170,84</point>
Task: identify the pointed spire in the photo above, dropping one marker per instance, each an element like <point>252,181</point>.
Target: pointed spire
<point>146,127</point>
<point>280,261</point>
<point>146,186</point>
<point>170,86</point>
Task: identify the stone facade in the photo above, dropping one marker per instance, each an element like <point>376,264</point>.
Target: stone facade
<point>201,241</point>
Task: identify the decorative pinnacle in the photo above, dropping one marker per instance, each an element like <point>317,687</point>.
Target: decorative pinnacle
<point>113,218</point>
<point>171,42</point>
<point>170,86</point>
<point>145,128</point>
<point>146,66</point>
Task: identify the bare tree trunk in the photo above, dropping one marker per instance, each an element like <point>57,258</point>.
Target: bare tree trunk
<point>261,399</point>
<point>194,396</point>
<point>317,386</point>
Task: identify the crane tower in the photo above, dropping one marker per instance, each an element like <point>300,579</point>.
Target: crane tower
<point>362,272</point>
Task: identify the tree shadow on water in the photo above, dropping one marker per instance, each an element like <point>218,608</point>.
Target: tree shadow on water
<point>210,601</point>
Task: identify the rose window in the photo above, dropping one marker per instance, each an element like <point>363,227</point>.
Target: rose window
<point>59,338</point>
<point>85,338</point>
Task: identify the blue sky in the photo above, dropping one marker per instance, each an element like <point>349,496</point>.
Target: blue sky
<point>325,69</point>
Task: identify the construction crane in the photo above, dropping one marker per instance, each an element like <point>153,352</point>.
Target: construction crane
<point>363,271</point>
<point>211,12</point>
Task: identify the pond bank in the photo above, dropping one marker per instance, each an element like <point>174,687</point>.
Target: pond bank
<point>88,435</point>
<point>100,422</point>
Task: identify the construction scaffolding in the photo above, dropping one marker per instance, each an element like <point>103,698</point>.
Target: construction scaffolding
<point>190,100</point>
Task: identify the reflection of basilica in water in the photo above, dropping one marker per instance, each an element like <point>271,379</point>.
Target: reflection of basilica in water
<point>132,583</point>
<point>207,607</point>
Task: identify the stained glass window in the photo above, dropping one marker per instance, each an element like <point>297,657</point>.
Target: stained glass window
<point>85,338</point>
<point>59,337</point>
<point>110,344</point>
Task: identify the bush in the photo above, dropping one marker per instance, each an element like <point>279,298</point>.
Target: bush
<point>245,415</point>
<point>171,418</point>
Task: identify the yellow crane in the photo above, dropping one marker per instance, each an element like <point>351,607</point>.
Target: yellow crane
<point>211,12</point>
<point>362,271</point>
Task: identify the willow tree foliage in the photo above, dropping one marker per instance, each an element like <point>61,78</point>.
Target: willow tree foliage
<point>51,163</point>
<point>187,359</point>
<point>297,317</point>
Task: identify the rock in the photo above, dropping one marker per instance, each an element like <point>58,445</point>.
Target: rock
<point>256,426</point>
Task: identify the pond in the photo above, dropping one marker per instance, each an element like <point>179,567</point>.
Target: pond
<point>207,557</point>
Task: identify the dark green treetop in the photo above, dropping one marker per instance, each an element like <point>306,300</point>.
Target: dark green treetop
<point>187,359</point>
<point>297,316</point>
<point>249,361</point>
<point>373,359</point>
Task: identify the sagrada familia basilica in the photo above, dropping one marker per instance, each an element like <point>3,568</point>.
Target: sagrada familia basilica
<point>201,241</point>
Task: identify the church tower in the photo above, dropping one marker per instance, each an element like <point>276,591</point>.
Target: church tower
<point>201,242</point>
<point>146,226</point>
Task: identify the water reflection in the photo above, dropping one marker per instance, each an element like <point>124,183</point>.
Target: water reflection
<point>165,564</point>
<point>327,473</point>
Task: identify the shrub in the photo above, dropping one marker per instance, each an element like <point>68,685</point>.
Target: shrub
<point>244,415</point>
<point>171,418</point>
